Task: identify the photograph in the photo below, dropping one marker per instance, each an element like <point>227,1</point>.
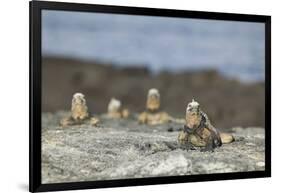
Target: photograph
<point>127,96</point>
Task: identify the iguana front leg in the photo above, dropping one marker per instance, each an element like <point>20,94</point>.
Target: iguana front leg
<point>210,145</point>
<point>215,134</point>
<point>183,141</point>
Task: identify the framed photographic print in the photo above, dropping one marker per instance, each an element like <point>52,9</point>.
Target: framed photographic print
<point>126,96</point>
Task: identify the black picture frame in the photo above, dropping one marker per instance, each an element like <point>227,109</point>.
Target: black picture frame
<point>35,9</point>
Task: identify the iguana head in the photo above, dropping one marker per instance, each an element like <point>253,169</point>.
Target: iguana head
<point>78,99</point>
<point>114,106</point>
<point>193,108</point>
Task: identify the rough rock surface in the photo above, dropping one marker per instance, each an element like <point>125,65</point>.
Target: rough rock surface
<point>121,148</point>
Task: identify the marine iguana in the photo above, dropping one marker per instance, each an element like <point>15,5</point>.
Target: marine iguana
<point>152,115</point>
<point>79,112</point>
<point>114,109</point>
<point>199,132</point>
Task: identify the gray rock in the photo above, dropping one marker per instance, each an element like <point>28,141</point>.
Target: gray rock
<point>119,149</point>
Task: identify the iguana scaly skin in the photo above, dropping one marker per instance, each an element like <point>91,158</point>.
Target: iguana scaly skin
<point>199,132</point>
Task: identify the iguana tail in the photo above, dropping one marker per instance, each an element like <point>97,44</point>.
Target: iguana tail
<point>226,138</point>
<point>177,120</point>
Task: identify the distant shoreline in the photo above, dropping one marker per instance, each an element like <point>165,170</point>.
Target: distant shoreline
<point>227,101</point>
<point>146,67</point>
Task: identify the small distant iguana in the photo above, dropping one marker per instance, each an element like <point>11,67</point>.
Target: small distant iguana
<point>152,115</point>
<point>115,111</point>
<point>79,112</point>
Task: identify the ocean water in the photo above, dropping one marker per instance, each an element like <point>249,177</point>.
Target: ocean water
<point>235,49</point>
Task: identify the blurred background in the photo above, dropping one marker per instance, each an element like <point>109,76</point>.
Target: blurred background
<point>219,63</point>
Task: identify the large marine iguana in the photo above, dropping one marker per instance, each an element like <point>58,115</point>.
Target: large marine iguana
<point>199,132</point>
